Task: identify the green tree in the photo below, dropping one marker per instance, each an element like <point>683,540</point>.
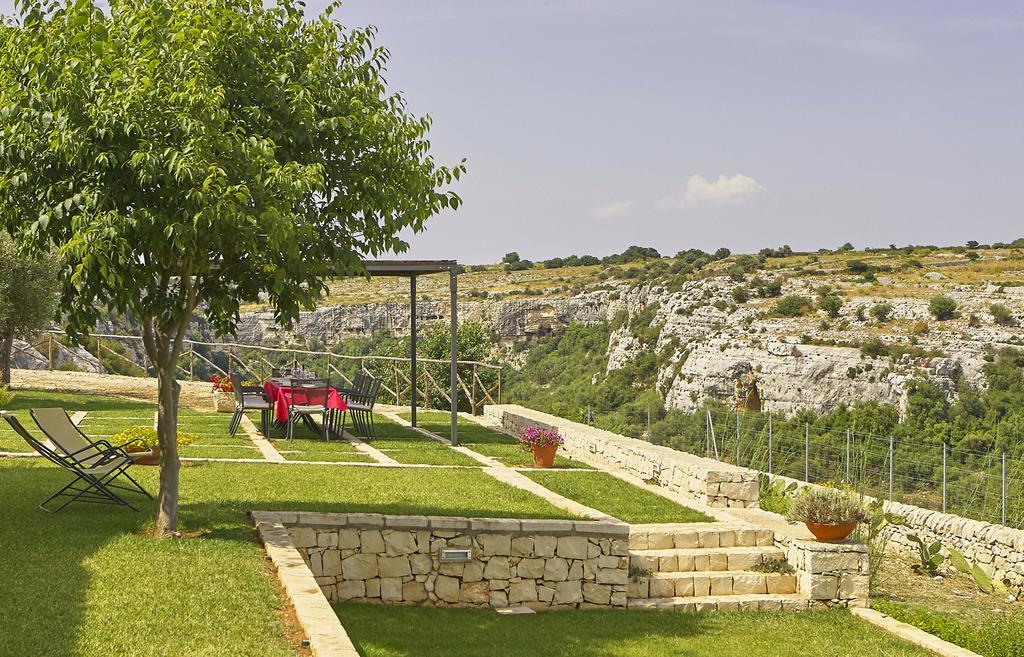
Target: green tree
<point>942,307</point>
<point>510,258</point>
<point>190,156</point>
<point>740,294</point>
<point>881,311</point>
<point>28,297</point>
<point>1001,315</point>
<point>831,304</point>
<point>793,305</point>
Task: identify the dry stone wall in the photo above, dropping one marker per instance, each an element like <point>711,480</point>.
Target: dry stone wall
<point>712,482</point>
<point>534,563</point>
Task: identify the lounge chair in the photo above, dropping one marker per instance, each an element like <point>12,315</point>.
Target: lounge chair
<point>95,466</point>
<point>249,398</point>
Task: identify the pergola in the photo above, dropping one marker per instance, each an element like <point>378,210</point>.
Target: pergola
<point>413,269</point>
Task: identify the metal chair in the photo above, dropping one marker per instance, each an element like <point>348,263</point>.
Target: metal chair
<point>360,407</point>
<point>95,465</point>
<point>249,398</point>
<point>309,398</point>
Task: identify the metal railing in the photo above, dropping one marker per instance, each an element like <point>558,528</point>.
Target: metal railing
<point>479,382</point>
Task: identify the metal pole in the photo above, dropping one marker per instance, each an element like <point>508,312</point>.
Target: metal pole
<point>891,468</point>
<point>1004,489</point>
<point>648,422</point>
<point>807,452</point>
<point>944,448</point>
<point>847,454</point>
<point>453,277</point>
<point>412,344</point>
<point>769,442</point>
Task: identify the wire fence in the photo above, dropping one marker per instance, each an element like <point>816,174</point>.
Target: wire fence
<point>986,486</point>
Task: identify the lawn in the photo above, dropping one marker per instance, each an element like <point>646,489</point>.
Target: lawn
<point>84,582</point>
<point>401,631</point>
<point>617,498</point>
<point>952,609</point>
<point>407,445</point>
<point>484,440</point>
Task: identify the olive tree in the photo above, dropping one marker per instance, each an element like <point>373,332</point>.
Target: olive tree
<point>28,297</point>
<point>188,156</point>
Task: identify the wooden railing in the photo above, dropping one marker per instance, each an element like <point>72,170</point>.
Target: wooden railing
<point>479,382</point>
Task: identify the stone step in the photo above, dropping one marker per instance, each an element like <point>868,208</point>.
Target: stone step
<point>782,602</point>
<point>681,560</point>
<point>710,582</point>
<point>697,535</point>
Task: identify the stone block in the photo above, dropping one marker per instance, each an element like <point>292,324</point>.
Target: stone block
<point>393,566</point>
<point>819,587</point>
<point>373,588</point>
<point>660,540</point>
<point>451,569</point>
<point>522,591</point>
<point>686,540</point>
<point>446,588</point>
<point>545,594</point>
<point>612,576</point>
<point>745,538</point>
<point>371,541</point>
<point>780,584</point>
<point>684,563</point>
<point>608,562</point>
<point>572,547</point>
<point>708,538</point>
<point>718,561</point>
<point>661,587</point>
<point>575,570</point>
<point>522,546</point>
<point>348,539</point>
<point>726,539</point>
<point>413,591</point>
<point>303,537</point>
<point>498,599</point>
<point>545,546</point>
<point>421,564</point>
<point>721,584</point>
<point>702,562</point>
<point>556,569</point>
<point>495,544</point>
<point>327,539</point>
<point>701,585</point>
<point>331,563</point>
<point>530,568</point>
<point>391,589</point>
<point>638,588</point>
<point>399,542</point>
<point>598,594</point>
<point>475,593</point>
<point>826,562</point>
<point>853,587</point>
<point>473,572</point>
<point>667,564</point>
<point>568,593</point>
<point>350,589</point>
<point>749,583</point>
<point>497,568</point>
<point>359,566</point>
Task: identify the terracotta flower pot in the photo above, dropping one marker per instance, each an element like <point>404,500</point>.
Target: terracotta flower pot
<point>145,456</point>
<point>223,402</point>
<point>831,533</point>
<point>544,455</point>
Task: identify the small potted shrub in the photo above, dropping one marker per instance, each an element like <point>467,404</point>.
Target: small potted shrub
<point>542,443</point>
<point>147,444</point>
<point>223,393</point>
<point>829,513</point>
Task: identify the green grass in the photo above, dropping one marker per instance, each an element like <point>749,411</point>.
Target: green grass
<point>978,629</point>
<point>406,445</point>
<point>401,631</point>
<point>484,440</point>
<point>82,582</point>
<point>617,498</point>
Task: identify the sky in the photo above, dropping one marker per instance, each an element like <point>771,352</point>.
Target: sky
<point>592,125</point>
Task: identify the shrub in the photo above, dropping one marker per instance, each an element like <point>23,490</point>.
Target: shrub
<point>881,311</point>
<point>826,506</point>
<point>942,307</point>
<point>1001,315</point>
<point>793,305</point>
<point>740,294</point>
<point>147,437</point>
<point>6,396</point>
<point>920,328</point>
<point>831,304</point>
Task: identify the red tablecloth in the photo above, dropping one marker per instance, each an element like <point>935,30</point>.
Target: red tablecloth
<point>281,395</point>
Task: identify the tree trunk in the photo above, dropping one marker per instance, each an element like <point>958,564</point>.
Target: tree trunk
<point>168,391</point>
<point>6,345</point>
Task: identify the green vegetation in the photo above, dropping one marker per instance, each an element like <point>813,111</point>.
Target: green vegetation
<point>400,631</point>
<point>28,297</point>
<point>793,305</point>
<point>619,499</point>
<point>942,307</point>
<point>881,311</point>
<point>1001,315</point>
<point>832,304</point>
<point>979,628</point>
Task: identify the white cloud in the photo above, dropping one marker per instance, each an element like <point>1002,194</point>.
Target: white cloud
<point>699,191</point>
<point>617,209</point>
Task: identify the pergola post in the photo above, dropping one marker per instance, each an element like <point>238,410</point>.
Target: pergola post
<point>412,342</point>
<point>454,278</point>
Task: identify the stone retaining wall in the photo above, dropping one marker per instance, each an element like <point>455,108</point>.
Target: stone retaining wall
<point>829,574</point>
<point>534,563</point>
<point>712,482</point>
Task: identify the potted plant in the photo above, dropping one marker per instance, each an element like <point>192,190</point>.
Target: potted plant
<point>223,393</point>
<point>830,514</point>
<point>146,444</point>
<point>543,443</point>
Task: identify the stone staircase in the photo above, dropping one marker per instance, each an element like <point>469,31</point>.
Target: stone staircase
<point>704,566</point>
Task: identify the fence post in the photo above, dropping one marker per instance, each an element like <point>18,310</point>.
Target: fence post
<point>192,362</point>
<point>944,448</point>
<point>769,442</point>
<point>499,385</point>
<point>891,467</point>
<point>847,454</point>
<point>807,452</point>
<point>49,350</point>
<point>1003,493</point>
<point>472,401</point>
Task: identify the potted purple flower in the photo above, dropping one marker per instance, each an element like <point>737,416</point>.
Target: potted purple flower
<point>543,443</point>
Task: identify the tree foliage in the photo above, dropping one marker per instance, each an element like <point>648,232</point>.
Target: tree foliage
<point>196,155</point>
<point>28,297</point>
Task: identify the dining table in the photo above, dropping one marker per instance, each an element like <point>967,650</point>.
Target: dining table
<point>279,391</point>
